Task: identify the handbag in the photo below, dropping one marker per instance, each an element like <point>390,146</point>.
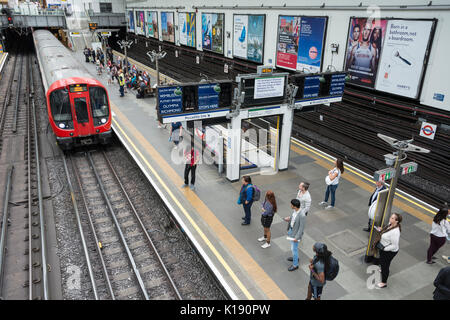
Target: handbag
<point>327,180</point>
<point>379,246</point>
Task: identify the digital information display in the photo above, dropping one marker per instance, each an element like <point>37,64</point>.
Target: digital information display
<point>337,84</point>
<point>170,100</point>
<point>311,87</point>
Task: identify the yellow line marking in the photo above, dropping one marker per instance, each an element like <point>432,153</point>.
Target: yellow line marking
<point>247,262</point>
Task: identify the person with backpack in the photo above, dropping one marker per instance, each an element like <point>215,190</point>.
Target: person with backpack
<point>268,209</point>
<point>295,228</point>
<point>246,198</point>
<point>323,267</point>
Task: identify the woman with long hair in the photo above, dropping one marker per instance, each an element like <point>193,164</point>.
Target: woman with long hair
<point>318,267</point>
<point>440,230</point>
<point>388,245</point>
<point>268,210</point>
<point>332,181</point>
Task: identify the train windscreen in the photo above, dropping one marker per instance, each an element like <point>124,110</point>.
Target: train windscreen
<point>99,102</point>
<point>81,110</point>
<point>60,105</point>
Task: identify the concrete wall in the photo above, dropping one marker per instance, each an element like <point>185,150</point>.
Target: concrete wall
<point>436,79</point>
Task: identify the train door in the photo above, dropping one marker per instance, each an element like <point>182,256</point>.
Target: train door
<point>79,99</point>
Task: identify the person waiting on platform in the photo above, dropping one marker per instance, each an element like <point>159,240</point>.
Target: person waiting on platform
<point>86,53</point>
<point>246,199</point>
<point>93,55</point>
<point>99,67</point>
<point>295,228</point>
<point>176,132</point>
<point>440,232</point>
<point>268,210</point>
<point>191,158</point>
<point>121,79</point>
<point>332,181</point>
<point>372,204</point>
<point>141,90</point>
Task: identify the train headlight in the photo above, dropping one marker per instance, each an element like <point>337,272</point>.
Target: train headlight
<point>62,125</point>
<point>103,120</point>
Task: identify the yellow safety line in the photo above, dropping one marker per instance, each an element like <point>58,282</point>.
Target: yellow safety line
<point>196,227</point>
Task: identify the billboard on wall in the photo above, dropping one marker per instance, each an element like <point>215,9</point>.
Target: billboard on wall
<point>131,21</point>
<point>186,27</point>
<point>212,31</point>
<point>140,26</point>
<point>248,37</point>
<point>402,60</point>
<point>364,46</point>
<point>152,24</point>
<point>167,27</point>
<point>300,42</point>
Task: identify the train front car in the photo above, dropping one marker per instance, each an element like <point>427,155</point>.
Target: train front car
<point>77,105</point>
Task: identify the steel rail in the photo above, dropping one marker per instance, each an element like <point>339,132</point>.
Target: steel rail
<point>141,224</point>
<point>80,229</point>
<point>16,107</point>
<point>91,225</point>
<point>116,223</point>
<point>8,96</point>
<point>30,195</point>
<point>5,226</point>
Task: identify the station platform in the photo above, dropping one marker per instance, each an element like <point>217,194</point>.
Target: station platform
<point>212,218</point>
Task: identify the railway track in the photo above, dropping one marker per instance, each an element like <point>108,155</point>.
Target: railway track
<point>126,264</point>
<point>23,261</point>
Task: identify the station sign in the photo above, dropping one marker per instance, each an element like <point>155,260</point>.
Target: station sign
<point>428,130</point>
<point>408,167</point>
<point>75,34</point>
<point>93,25</point>
<point>384,174</point>
<point>194,101</point>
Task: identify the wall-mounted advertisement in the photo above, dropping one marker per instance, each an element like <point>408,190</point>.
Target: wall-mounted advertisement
<point>212,31</point>
<point>130,21</point>
<point>402,59</point>
<point>300,42</point>
<point>140,25</point>
<point>248,37</point>
<point>167,26</point>
<point>186,27</point>
<point>364,48</point>
<point>152,24</point>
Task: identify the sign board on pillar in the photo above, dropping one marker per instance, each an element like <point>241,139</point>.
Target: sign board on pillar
<point>384,174</point>
<point>428,130</point>
<point>408,167</point>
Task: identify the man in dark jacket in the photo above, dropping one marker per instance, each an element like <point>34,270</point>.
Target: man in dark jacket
<point>372,199</point>
<point>442,284</point>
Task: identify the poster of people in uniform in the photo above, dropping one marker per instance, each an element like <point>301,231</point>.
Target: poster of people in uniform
<point>152,24</point>
<point>364,48</point>
<point>167,26</point>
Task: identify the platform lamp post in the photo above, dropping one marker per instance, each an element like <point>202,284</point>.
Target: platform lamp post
<point>155,57</point>
<point>124,44</point>
<point>397,157</point>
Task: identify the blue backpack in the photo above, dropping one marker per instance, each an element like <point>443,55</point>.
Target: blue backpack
<point>256,193</point>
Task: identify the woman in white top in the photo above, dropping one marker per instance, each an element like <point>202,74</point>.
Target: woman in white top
<point>440,230</point>
<point>332,181</point>
<point>390,237</point>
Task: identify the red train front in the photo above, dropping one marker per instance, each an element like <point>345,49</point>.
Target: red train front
<point>79,112</point>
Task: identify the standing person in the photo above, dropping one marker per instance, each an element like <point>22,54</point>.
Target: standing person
<point>191,158</point>
<point>93,55</point>
<point>176,130</point>
<point>246,198</point>
<point>373,198</point>
<point>269,208</point>
<point>304,197</point>
<point>332,181</point>
<point>318,266</point>
<point>388,245</point>
<point>295,228</point>
<point>121,83</point>
<point>442,284</point>
<point>86,54</point>
<point>440,230</point>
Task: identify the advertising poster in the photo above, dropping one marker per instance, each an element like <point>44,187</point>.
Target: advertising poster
<point>186,29</point>
<point>240,27</point>
<point>207,31</point>
<point>167,26</point>
<point>140,27</point>
<point>310,43</point>
<point>287,47</point>
<point>255,44</point>
<point>403,56</point>
<point>152,24</point>
<point>364,48</point>
<point>131,21</point>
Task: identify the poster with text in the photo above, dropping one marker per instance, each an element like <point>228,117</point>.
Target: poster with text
<point>186,27</point>
<point>167,27</point>
<point>402,59</point>
<point>240,27</point>
<point>310,43</point>
<point>212,32</point>
<point>131,21</point>
<point>152,24</point>
<point>364,46</point>
<point>140,26</point>
<point>287,46</point>
<point>248,37</point>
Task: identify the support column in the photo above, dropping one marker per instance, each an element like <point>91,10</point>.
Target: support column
<point>285,141</point>
<point>234,149</point>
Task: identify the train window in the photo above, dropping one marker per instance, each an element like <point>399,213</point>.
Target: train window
<point>99,102</point>
<point>60,105</point>
<point>81,110</point>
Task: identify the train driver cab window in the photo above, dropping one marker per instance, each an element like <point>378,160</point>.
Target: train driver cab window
<point>99,104</point>
<point>60,107</point>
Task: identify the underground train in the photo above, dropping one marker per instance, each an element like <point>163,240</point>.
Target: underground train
<point>78,105</point>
